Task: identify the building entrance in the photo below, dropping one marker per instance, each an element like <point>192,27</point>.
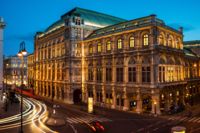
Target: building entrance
<point>77,96</point>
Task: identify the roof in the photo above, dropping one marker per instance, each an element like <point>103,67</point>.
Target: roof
<point>129,25</point>
<point>192,44</point>
<point>91,18</point>
<point>94,17</point>
<point>188,52</point>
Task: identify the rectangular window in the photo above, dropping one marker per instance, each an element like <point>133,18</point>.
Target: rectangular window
<point>132,74</point>
<point>108,74</point>
<point>119,75</point>
<point>99,74</point>
<point>99,48</point>
<point>108,46</point>
<point>146,73</point>
<point>90,74</point>
<point>119,44</point>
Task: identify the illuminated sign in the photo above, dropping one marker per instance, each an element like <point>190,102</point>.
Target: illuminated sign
<point>178,129</point>
<point>90,105</point>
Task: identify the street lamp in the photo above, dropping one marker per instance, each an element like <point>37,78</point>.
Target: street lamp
<point>22,52</point>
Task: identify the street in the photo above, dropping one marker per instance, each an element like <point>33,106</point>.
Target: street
<point>75,117</point>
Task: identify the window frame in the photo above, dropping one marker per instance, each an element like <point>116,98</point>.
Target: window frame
<point>145,39</point>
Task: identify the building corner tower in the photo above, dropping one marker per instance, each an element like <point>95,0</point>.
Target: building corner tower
<point>2,25</point>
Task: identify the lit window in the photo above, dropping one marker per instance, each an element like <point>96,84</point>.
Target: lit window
<point>146,40</point>
<point>108,46</point>
<point>90,49</point>
<point>131,42</point>
<point>99,47</point>
<point>161,40</point>
<point>119,44</point>
<point>170,42</point>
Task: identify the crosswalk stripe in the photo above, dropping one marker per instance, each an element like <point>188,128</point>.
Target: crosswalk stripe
<point>192,119</point>
<point>182,119</point>
<point>69,121</point>
<point>196,120</point>
<point>75,120</point>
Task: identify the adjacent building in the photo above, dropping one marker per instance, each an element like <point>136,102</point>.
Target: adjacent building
<point>12,72</point>
<point>2,26</point>
<point>139,65</point>
<point>30,70</point>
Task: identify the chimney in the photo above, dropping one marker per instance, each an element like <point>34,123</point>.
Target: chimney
<point>180,29</point>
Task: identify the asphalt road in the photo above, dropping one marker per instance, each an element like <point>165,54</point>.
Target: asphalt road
<point>76,119</point>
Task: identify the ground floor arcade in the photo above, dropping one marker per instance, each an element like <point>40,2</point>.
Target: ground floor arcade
<point>140,100</point>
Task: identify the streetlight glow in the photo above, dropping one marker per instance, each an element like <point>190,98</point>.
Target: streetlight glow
<point>22,52</point>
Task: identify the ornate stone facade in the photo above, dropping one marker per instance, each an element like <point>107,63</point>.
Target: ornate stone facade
<point>137,65</point>
<point>57,55</point>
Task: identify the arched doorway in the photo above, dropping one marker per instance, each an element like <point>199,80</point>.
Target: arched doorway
<point>77,96</point>
<point>146,103</point>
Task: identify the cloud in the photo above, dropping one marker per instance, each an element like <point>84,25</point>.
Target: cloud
<point>186,27</point>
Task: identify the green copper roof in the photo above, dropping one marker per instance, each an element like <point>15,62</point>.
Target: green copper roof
<point>188,52</point>
<point>94,17</point>
<point>192,44</point>
<point>91,18</point>
<point>129,25</point>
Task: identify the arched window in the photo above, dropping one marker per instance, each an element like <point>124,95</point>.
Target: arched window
<point>131,42</point>
<point>170,42</point>
<point>161,40</point>
<point>99,48</point>
<point>119,44</point>
<point>145,39</point>
<point>108,46</point>
<point>90,49</point>
<point>178,43</point>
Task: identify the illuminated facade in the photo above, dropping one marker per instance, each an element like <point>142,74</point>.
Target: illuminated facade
<point>57,56</point>
<point>12,71</point>
<point>30,69</point>
<point>138,65</point>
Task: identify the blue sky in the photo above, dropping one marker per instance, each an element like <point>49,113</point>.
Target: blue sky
<point>25,17</point>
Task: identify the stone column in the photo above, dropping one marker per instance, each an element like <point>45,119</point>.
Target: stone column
<point>139,102</point>
<point>55,91</point>
<point>94,95</point>
<point>113,70</point>
<point>60,93</point>
<point>126,102</point>
<point>155,103</point>
<point>114,98</point>
<point>51,87</point>
<point>152,67</point>
<point>47,89</point>
<point>167,103</point>
<point>70,96</point>
<point>103,94</point>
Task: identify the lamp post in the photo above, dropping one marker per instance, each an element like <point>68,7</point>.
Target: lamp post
<point>22,52</point>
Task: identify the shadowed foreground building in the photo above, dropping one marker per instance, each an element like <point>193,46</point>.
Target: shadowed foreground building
<point>137,65</point>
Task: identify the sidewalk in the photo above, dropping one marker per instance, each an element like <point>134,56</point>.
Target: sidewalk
<point>12,109</point>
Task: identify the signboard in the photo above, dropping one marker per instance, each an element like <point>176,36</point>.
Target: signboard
<point>90,105</point>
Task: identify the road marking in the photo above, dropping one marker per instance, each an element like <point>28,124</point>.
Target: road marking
<point>192,119</point>
<point>75,120</point>
<point>155,129</point>
<point>141,129</point>
<point>73,128</point>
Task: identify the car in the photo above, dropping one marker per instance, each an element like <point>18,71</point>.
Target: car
<point>96,126</point>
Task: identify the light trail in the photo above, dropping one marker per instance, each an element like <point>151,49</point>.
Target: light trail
<point>34,115</point>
